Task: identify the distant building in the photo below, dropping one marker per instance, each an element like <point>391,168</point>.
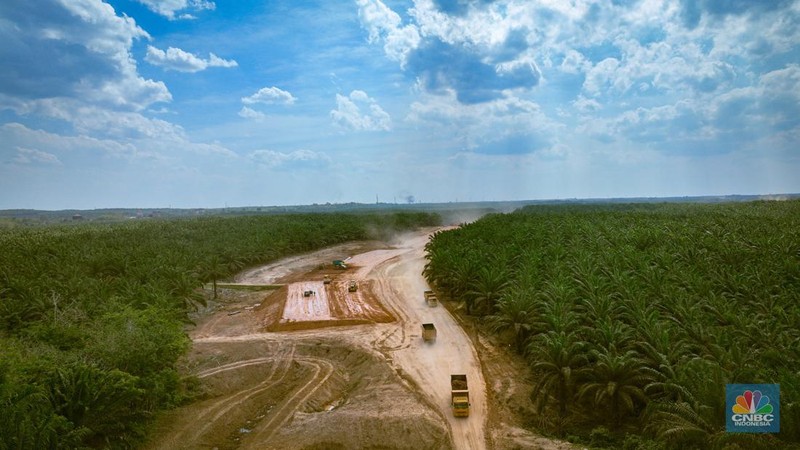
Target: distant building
<point>77,217</point>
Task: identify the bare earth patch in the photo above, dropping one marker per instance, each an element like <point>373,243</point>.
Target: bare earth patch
<point>337,369</point>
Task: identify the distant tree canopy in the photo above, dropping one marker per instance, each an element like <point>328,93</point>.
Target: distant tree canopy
<point>636,316</point>
<point>92,316</point>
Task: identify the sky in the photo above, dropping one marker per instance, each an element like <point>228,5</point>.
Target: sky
<point>206,104</point>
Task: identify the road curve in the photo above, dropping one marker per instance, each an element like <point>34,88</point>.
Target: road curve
<point>400,285</point>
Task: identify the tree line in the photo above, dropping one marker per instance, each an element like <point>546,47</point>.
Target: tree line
<point>93,317</point>
<point>633,318</point>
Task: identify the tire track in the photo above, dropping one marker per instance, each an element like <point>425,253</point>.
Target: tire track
<point>322,371</point>
<point>282,367</point>
<point>234,365</point>
<point>391,298</point>
<point>191,434</point>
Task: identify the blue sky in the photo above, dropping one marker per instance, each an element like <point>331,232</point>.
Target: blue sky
<point>197,103</point>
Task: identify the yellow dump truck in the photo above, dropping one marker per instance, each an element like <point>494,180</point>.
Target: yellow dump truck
<point>352,286</point>
<point>326,279</point>
<point>430,298</point>
<point>428,332</point>
<point>459,395</point>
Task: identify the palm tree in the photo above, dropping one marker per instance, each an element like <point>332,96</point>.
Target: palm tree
<point>556,315</point>
<point>487,288</point>
<point>515,312</point>
<point>608,333</point>
<point>699,422</point>
<point>216,268</point>
<point>614,383</point>
<point>184,287</point>
<point>557,360</point>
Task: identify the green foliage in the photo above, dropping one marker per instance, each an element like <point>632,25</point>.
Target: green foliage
<point>102,403</point>
<point>139,342</point>
<point>601,437</point>
<point>92,316</point>
<point>636,316</point>
<point>636,442</point>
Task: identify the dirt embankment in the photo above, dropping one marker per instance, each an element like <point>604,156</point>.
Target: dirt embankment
<point>303,393</point>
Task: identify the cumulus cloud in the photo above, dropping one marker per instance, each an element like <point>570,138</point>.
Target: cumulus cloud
<point>602,75</point>
<point>478,54</point>
<point>270,95</point>
<point>17,135</point>
<point>721,122</point>
<point>294,160</point>
<point>772,103</point>
<point>506,125</point>
<point>575,62</point>
<point>441,66</point>
<point>349,114</point>
<point>92,119</point>
<point>666,73</point>
<point>249,113</point>
<point>72,49</point>
<point>169,8</point>
<point>586,105</point>
<point>177,59</point>
<point>33,156</point>
<point>384,24</point>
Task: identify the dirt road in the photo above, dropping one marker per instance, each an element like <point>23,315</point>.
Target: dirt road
<point>398,275</point>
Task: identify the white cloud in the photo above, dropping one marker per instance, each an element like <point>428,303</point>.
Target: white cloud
<point>249,113</point>
<point>77,49</point>
<point>97,120</point>
<point>348,113</point>
<point>782,82</point>
<point>601,75</point>
<point>481,125</point>
<point>575,62</point>
<point>216,61</point>
<point>17,135</point>
<point>33,156</point>
<point>177,59</point>
<point>168,8</point>
<point>119,134</point>
<point>295,159</point>
<point>270,95</point>
<point>586,105</point>
<point>772,102</point>
<point>383,23</point>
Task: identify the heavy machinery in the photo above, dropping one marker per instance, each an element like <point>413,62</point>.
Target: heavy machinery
<point>430,298</point>
<point>352,286</point>
<point>459,395</point>
<point>428,332</point>
<point>340,263</point>
<point>308,293</point>
<point>326,279</point>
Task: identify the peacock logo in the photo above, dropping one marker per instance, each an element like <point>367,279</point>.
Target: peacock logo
<point>752,402</point>
<point>753,408</point>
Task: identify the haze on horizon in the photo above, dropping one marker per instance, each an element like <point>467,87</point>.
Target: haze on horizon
<point>196,103</point>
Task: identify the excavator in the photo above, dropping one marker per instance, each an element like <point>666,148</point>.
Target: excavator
<point>341,263</point>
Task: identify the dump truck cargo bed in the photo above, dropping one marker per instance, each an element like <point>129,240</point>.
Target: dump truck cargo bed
<point>459,395</point>
<point>428,332</point>
<point>430,298</point>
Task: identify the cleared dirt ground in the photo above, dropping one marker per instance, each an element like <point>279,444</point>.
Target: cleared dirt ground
<point>345,370</point>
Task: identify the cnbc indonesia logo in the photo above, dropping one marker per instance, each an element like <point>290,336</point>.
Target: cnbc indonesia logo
<point>753,408</point>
